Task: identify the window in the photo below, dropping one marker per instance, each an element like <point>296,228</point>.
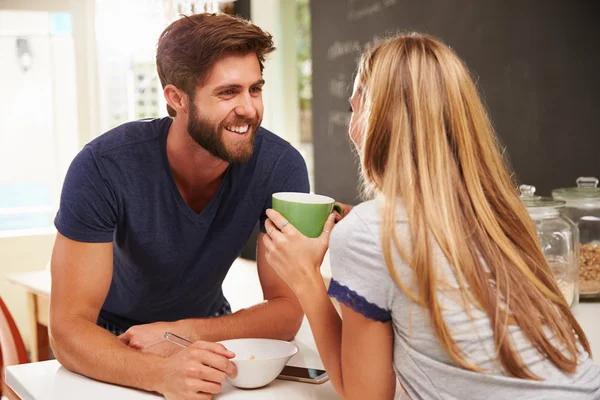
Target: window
<point>126,34</point>
<point>38,134</point>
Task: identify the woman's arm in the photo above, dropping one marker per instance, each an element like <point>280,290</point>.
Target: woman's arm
<point>357,353</point>
<point>367,357</point>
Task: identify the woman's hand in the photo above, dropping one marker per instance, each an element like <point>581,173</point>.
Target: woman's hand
<point>296,258</point>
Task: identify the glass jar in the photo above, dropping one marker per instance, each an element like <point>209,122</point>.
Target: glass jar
<point>583,208</point>
<point>559,239</point>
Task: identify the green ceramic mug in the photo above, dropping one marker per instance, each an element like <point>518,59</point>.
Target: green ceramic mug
<point>306,212</point>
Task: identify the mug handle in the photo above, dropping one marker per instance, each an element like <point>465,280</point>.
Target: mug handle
<point>338,208</point>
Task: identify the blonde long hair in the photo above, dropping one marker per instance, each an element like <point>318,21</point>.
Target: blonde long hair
<point>428,140</point>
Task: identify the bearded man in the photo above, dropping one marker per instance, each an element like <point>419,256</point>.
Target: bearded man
<point>154,212</point>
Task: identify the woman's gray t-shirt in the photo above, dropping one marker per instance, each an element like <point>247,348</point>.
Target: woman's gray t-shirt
<point>361,281</point>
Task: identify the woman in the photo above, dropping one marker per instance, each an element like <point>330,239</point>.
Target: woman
<point>440,277</point>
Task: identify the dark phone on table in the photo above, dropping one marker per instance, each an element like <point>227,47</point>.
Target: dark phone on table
<point>301,374</point>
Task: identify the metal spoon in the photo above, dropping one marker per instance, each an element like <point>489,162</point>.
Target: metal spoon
<point>171,337</point>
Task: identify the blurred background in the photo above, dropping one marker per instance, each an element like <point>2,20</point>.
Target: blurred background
<point>72,69</point>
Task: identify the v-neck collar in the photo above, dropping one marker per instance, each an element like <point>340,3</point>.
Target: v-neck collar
<point>175,190</point>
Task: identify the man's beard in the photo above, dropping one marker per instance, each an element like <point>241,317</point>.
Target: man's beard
<point>211,139</point>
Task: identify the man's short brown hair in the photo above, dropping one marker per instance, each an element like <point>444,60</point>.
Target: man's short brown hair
<point>189,48</point>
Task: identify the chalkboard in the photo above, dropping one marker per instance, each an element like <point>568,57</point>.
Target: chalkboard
<point>536,63</point>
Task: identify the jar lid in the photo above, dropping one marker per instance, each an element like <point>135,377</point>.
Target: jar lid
<point>587,190</point>
<point>538,205</point>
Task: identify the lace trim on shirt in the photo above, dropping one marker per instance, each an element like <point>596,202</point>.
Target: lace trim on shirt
<point>358,303</point>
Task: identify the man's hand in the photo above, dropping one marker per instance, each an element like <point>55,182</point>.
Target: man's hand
<point>196,372</point>
<point>143,337</point>
<point>163,349</point>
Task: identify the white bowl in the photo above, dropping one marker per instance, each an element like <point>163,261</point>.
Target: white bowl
<point>258,361</point>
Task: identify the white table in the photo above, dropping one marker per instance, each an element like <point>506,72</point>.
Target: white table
<point>588,316</point>
<point>50,381</point>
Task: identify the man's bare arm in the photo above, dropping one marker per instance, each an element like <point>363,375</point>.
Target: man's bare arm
<point>81,276</point>
<point>278,317</point>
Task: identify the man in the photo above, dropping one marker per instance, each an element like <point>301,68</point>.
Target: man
<point>154,212</point>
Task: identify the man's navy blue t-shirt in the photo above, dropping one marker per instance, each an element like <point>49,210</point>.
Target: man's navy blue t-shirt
<point>169,261</point>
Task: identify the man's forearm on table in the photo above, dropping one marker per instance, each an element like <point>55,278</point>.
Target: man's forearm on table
<point>278,318</point>
<point>82,347</point>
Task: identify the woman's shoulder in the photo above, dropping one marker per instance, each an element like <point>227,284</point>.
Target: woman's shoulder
<point>359,217</point>
<point>368,209</point>
<point>370,212</point>
<point>361,225</point>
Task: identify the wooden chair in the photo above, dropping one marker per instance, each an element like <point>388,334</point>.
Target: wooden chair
<point>12,349</point>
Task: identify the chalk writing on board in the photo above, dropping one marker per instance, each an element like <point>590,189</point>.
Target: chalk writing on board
<point>340,49</point>
<point>358,9</point>
<point>339,87</point>
<point>337,118</point>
